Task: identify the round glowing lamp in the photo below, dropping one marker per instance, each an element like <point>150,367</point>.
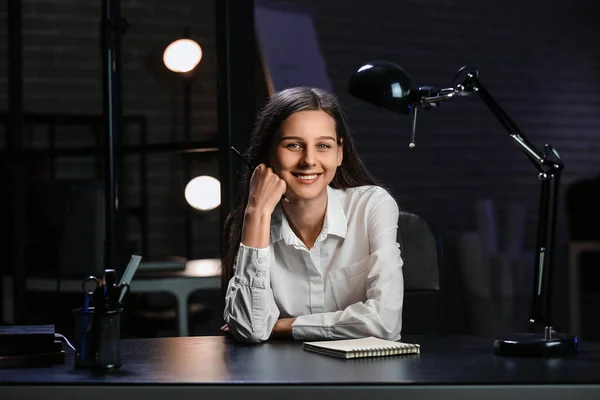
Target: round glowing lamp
<point>203,193</point>
<point>182,55</point>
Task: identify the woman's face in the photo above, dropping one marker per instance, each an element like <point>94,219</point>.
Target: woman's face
<point>306,154</point>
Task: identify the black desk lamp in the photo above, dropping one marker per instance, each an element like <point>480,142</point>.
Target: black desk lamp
<point>386,85</point>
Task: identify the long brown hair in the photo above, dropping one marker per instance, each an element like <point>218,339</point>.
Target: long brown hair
<point>351,173</point>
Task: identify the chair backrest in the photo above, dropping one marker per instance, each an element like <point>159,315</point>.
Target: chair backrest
<point>422,255</point>
<point>583,210</point>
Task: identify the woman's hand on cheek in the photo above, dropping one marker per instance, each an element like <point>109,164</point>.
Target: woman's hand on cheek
<point>266,189</point>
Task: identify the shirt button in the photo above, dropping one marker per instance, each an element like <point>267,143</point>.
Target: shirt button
<point>261,261</point>
<point>261,274</point>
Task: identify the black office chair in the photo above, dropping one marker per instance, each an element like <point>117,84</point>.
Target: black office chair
<point>582,203</point>
<point>422,254</point>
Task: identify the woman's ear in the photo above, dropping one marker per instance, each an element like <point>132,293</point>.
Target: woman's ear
<point>340,152</point>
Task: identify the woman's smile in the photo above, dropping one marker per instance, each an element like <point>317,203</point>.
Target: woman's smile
<point>307,179</point>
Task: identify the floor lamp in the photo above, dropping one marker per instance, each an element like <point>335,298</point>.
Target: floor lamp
<point>112,27</point>
<point>181,57</point>
<point>387,85</point>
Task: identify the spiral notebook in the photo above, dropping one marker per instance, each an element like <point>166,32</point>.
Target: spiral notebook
<point>361,348</point>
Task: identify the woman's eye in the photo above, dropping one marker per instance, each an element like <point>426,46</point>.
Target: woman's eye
<point>324,146</point>
<point>293,146</point>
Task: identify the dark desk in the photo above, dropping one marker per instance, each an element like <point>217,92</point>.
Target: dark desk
<point>212,367</point>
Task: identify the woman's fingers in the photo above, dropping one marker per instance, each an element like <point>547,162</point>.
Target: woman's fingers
<point>266,187</point>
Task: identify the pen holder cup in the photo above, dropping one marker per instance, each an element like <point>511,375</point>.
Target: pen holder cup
<point>97,339</point>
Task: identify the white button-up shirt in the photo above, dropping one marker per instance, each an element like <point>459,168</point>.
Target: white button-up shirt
<point>348,285</point>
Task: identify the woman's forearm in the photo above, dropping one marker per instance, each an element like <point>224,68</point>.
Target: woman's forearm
<point>283,329</point>
<point>257,228</point>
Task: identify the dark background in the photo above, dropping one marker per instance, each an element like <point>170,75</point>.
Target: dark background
<point>539,59</point>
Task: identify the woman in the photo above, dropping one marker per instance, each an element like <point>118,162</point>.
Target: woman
<point>310,248</point>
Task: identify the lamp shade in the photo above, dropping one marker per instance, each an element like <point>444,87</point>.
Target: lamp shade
<point>182,55</point>
<point>382,84</point>
<point>203,193</point>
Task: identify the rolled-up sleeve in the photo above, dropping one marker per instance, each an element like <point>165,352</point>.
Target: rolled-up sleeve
<point>380,314</point>
<point>250,310</point>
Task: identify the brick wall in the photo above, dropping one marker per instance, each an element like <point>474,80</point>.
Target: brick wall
<point>3,59</point>
<point>539,60</point>
<point>62,73</point>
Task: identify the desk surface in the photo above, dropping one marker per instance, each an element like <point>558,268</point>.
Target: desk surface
<point>216,361</point>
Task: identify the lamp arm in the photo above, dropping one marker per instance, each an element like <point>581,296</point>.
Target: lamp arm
<point>540,160</point>
<point>386,85</point>
<point>550,169</point>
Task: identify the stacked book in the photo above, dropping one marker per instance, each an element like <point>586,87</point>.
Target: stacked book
<point>29,346</point>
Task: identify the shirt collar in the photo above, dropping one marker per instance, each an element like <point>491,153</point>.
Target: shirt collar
<point>335,221</point>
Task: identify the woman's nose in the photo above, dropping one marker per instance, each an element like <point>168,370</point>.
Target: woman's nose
<point>308,157</point>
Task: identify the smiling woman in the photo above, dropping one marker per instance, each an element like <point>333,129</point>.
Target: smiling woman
<point>306,154</point>
<point>324,264</point>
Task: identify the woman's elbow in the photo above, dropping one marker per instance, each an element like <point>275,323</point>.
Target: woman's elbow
<point>247,337</point>
<point>389,324</point>
<point>245,334</point>
<point>391,334</point>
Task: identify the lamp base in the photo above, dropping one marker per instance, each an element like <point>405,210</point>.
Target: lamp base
<point>532,345</point>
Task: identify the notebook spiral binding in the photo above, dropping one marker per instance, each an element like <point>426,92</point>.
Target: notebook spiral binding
<point>385,351</point>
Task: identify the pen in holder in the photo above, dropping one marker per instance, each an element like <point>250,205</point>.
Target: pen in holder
<point>97,335</point>
<point>98,327</point>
